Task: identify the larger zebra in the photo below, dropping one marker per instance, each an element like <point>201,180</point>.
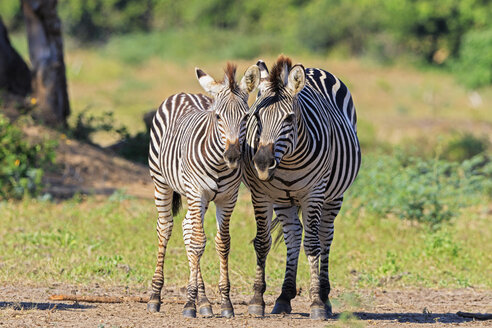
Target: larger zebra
<point>301,153</point>
<point>195,151</point>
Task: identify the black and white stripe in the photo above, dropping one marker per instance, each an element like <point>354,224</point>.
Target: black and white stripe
<point>195,152</point>
<point>301,154</point>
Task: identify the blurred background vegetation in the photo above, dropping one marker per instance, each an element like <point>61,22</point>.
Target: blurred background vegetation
<point>455,35</point>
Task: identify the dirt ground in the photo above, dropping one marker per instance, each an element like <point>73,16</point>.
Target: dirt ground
<point>26,306</point>
<point>87,169</point>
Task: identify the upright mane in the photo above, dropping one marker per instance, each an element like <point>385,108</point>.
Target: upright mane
<point>230,73</point>
<point>279,72</point>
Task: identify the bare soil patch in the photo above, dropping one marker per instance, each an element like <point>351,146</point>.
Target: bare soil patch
<point>27,306</point>
<point>87,169</point>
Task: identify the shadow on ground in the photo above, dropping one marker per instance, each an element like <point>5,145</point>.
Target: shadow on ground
<point>413,317</point>
<point>402,317</point>
<point>42,306</point>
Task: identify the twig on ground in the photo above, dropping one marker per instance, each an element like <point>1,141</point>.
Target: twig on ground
<point>109,299</point>
<point>116,299</point>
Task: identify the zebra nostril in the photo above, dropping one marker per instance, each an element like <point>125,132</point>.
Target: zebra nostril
<point>273,163</point>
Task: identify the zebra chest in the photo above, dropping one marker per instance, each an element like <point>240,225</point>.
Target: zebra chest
<point>288,187</point>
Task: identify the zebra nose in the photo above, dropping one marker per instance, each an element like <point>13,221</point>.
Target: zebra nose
<point>264,161</point>
<point>232,154</point>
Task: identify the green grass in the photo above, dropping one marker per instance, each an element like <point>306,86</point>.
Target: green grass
<point>113,242</point>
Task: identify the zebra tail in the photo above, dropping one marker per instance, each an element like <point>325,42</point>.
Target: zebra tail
<point>176,203</point>
<point>275,228</point>
<point>277,231</point>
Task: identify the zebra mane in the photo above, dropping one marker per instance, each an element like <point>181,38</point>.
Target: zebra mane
<point>277,77</point>
<point>230,76</point>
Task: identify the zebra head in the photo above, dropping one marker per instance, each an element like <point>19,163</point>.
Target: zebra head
<point>229,109</point>
<point>277,113</point>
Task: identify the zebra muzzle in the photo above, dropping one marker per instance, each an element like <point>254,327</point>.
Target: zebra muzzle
<point>265,162</point>
<point>232,155</point>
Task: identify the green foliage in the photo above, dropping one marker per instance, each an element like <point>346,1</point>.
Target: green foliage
<point>326,30</point>
<point>430,191</point>
<point>10,12</point>
<point>96,19</point>
<point>474,66</point>
<point>426,26</point>
<point>436,32</point>
<point>21,163</point>
<point>463,147</point>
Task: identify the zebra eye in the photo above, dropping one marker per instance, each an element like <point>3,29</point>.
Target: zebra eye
<point>217,116</point>
<point>289,119</point>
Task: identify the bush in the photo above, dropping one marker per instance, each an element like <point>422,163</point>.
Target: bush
<point>21,164</point>
<point>463,147</point>
<point>474,66</point>
<point>430,191</point>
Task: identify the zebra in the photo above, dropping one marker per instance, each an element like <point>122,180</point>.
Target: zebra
<point>300,155</point>
<point>194,151</point>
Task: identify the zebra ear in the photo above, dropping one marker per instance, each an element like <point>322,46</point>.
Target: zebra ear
<point>207,82</point>
<point>263,72</point>
<point>296,79</point>
<point>251,79</point>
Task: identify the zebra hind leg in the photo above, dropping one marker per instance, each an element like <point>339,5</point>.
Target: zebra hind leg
<point>262,243</point>
<point>163,201</point>
<point>311,218</point>
<point>292,231</point>
<point>194,239</point>
<point>326,231</point>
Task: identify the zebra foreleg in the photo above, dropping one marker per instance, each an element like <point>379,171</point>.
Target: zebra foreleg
<point>326,230</point>
<point>195,239</point>
<point>311,215</point>
<point>292,230</point>
<point>262,242</point>
<point>222,246</point>
<point>204,306</point>
<point>163,201</point>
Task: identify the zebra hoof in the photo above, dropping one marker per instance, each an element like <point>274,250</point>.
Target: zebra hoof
<point>153,307</point>
<point>189,313</point>
<point>206,311</point>
<point>318,313</point>
<point>227,313</point>
<point>281,307</point>
<point>256,310</point>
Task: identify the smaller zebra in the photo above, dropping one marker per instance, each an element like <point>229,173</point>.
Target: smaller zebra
<point>195,152</point>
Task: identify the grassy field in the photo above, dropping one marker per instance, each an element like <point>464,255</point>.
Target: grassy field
<point>113,242</point>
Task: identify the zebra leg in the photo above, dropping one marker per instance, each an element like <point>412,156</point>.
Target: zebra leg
<point>311,215</point>
<point>195,239</point>
<point>204,306</point>
<point>326,230</point>
<point>163,201</point>
<point>262,242</point>
<point>292,230</point>
<point>222,246</point>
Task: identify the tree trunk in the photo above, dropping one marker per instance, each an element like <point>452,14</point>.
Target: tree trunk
<point>15,76</point>
<point>48,68</point>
